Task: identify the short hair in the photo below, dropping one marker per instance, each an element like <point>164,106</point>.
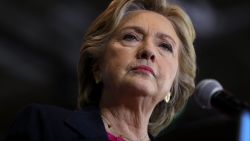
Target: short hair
<point>101,31</point>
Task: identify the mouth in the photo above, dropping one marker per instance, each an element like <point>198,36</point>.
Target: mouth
<point>144,69</point>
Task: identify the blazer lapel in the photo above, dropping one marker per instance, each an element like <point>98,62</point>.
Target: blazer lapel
<point>88,123</point>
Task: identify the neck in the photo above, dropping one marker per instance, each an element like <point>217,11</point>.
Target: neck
<point>127,117</point>
<point>126,124</point>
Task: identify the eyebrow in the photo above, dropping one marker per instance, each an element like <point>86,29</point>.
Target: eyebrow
<point>136,28</point>
<point>163,35</point>
<point>140,30</point>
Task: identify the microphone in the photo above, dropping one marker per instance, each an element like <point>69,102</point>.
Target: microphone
<point>210,94</point>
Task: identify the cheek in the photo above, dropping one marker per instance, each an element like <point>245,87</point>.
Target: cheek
<point>168,74</point>
<point>114,64</point>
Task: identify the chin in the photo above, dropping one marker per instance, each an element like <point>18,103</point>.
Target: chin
<point>142,87</point>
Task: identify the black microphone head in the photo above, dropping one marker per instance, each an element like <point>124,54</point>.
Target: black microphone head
<point>205,90</point>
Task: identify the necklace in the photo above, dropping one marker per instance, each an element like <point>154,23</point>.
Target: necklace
<point>110,127</point>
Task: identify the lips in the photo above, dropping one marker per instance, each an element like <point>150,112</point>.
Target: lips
<point>144,69</point>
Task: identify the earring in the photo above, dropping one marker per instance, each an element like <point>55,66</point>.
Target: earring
<point>167,98</point>
<point>98,78</point>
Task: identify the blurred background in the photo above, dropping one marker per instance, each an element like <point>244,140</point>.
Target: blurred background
<point>39,52</point>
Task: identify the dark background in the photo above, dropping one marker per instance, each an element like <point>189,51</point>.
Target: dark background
<point>39,52</point>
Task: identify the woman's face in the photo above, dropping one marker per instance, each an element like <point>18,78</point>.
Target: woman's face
<point>141,59</point>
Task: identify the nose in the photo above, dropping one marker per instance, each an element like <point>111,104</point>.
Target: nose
<point>146,52</point>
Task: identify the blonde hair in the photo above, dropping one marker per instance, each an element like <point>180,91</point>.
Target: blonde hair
<point>100,33</point>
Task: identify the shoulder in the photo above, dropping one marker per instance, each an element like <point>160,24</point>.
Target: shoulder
<point>40,112</point>
<point>37,108</point>
<point>43,122</point>
<point>37,121</point>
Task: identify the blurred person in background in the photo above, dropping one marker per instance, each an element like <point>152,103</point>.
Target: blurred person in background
<point>136,70</point>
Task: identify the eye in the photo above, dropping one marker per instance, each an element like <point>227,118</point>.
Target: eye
<point>130,37</point>
<point>167,46</point>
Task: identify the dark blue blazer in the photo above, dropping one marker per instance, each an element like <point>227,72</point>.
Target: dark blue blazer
<point>49,123</point>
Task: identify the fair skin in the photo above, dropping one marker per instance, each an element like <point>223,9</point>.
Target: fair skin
<point>139,65</point>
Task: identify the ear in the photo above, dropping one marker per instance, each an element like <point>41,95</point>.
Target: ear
<point>97,73</point>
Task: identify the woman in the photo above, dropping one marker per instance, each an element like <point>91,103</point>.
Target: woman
<point>136,70</point>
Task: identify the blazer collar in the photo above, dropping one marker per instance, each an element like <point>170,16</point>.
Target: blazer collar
<point>88,123</point>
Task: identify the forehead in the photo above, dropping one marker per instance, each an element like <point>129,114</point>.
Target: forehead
<point>149,21</point>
